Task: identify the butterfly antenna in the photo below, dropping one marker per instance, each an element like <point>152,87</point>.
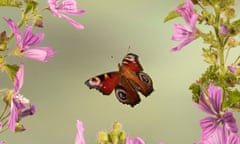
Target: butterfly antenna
<point>129,47</point>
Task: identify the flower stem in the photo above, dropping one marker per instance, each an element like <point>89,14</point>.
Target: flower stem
<point>220,40</point>
<point>4,111</point>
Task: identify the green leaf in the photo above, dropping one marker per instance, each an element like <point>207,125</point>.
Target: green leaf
<point>173,14</point>
<point>11,71</point>
<point>233,100</point>
<point>11,3</point>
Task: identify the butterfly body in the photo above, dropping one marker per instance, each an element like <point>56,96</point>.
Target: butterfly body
<point>127,81</point>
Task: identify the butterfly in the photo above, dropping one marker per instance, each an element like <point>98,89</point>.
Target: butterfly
<point>127,81</point>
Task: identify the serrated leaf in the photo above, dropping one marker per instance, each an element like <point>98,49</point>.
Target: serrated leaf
<point>234,99</point>
<point>11,71</point>
<point>11,3</point>
<point>171,15</point>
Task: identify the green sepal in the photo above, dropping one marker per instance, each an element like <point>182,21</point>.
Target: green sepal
<point>11,71</point>
<point>171,15</point>
<point>11,3</point>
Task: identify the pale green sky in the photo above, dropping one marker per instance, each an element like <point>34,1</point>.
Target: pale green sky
<point>58,91</point>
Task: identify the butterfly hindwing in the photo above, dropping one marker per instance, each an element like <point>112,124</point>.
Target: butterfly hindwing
<point>105,83</point>
<point>126,93</point>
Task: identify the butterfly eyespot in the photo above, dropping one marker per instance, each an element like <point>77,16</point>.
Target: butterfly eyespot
<point>94,81</point>
<point>144,77</point>
<point>121,94</point>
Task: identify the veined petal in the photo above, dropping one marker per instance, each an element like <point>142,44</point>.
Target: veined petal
<point>184,43</point>
<point>52,5</point>
<point>209,126</point>
<point>30,39</point>
<point>204,106</point>
<point>193,21</point>
<point>70,7</point>
<point>230,122</point>
<point>215,97</point>
<point>13,117</point>
<point>42,54</point>
<point>14,28</point>
<point>233,139</point>
<point>136,140</point>
<point>19,79</point>
<point>187,11</point>
<point>73,22</point>
<point>180,32</point>
<point>79,139</point>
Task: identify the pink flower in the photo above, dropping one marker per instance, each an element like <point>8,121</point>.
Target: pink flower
<point>79,139</point>
<point>136,140</point>
<point>67,6</point>
<point>212,104</point>
<point>182,33</point>
<point>29,40</point>
<point>19,103</point>
<point>221,136</point>
<point>15,106</point>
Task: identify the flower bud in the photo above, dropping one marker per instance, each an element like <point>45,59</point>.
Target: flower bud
<point>232,42</point>
<point>230,13</point>
<point>38,21</point>
<point>102,137</point>
<point>19,127</point>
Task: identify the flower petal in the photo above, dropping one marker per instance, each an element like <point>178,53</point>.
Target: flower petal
<point>209,126</point>
<point>14,28</point>
<point>13,117</point>
<point>79,139</point>
<point>230,122</point>
<point>184,43</point>
<point>73,22</point>
<point>30,39</point>
<point>70,7</point>
<point>180,32</point>
<point>215,97</point>
<point>233,139</point>
<point>19,79</point>
<point>187,11</point>
<point>136,140</point>
<point>204,106</point>
<point>42,54</point>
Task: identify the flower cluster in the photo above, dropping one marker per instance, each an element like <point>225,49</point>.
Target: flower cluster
<point>17,107</point>
<point>215,92</point>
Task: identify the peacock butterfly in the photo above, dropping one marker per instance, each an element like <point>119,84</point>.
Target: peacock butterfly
<point>127,81</point>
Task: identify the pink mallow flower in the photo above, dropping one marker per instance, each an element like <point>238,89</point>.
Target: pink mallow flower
<point>136,140</point>
<point>19,104</point>
<point>25,43</point>
<point>58,7</point>
<point>212,104</point>
<point>181,32</point>
<point>221,136</point>
<point>79,139</point>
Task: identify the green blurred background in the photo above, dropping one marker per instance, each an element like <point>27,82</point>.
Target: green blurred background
<point>58,91</point>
